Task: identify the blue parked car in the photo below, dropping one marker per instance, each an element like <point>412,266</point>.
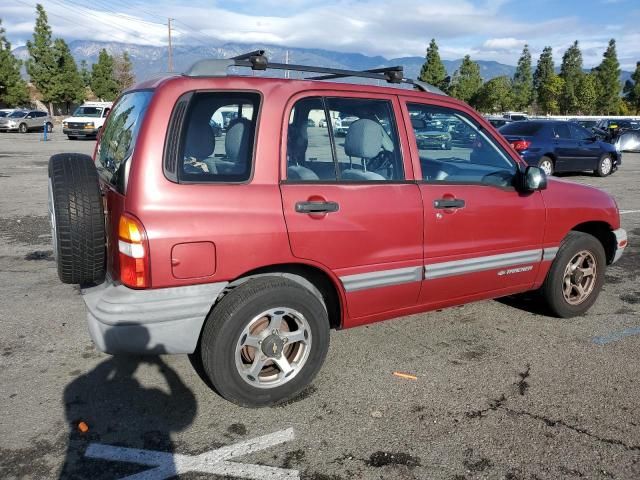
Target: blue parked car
<point>559,146</point>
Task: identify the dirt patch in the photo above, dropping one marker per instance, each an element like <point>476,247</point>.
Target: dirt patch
<point>40,255</point>
<point>632,298</point>
<point>292,458</point>
<point>382,459</point>
<point>32,230</point>
<point>237,429</point>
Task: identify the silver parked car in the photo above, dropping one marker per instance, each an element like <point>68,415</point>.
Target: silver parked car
<point>25,120</point>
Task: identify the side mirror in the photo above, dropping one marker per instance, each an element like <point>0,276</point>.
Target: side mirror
<point>533,179</point>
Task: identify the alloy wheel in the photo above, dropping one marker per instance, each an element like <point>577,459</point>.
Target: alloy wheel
<point>579,277</point>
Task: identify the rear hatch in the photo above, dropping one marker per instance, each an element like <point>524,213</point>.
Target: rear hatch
<point>113,159</point>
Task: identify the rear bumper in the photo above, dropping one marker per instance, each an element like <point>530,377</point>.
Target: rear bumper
<point>621,243</point>
<point>164,320</point>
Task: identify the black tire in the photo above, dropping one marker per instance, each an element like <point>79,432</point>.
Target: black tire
<point>72,137</point>
<point>49,127</point>
<point>552,289</point>
<point>22,128</point>
<point>228,319</point>
<point>547,161</point>
<point>603,169</point>
<point>77,217</point>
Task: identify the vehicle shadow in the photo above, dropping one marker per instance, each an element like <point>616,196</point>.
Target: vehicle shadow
<point>530,302</point>
<point>120,411</point>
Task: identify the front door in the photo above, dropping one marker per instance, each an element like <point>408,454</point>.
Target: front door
<point>482,237</point>
<point>590,150</point>
<point>347,204</point>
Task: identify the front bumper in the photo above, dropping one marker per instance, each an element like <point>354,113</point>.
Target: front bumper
<point>621,243</point>
<point>80,132</point>
<point>163,320</point>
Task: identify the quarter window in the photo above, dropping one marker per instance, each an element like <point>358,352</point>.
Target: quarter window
<point>453,149</point>
<point>218,138</point>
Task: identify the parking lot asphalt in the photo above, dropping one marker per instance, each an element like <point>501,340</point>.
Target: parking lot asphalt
<point>501,390</point>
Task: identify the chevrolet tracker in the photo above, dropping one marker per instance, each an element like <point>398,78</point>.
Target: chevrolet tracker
<point>243,247</point>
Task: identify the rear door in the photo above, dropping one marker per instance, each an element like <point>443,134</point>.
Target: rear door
<point>482,237</point>
<point>348,200</point>
<point>568,153</point>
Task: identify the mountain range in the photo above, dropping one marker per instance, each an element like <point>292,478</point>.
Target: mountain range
<point>148,61</point>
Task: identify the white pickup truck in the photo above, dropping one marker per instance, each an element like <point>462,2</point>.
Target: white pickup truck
<point>87,120</point>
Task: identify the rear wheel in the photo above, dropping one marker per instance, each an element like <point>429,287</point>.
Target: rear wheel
<point>605,166</point>
<point>22,128</point>
<point>77,218</point>
<point>546,164</point>
<point>49,127</point>
<point>264,342</point>
<point>576,275</point>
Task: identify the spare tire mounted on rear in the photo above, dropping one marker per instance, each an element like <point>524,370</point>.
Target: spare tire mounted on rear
<point>77,219</point>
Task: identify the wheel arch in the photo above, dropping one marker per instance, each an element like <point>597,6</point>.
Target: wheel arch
<point>603,232</point>
<point>321,283</point>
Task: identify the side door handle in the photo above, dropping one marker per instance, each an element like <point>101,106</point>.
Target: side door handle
<point>448,203</point>
<point>317,207</point>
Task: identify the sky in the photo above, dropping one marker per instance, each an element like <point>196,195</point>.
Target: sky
<point>485,29</point>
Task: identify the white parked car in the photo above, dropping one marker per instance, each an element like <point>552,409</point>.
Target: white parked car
<point>87,120</point>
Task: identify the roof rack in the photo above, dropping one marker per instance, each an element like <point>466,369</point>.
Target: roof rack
<point>257,60</point>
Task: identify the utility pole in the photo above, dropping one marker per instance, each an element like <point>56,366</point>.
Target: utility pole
<point>286,60</point>
<point>170,48</point>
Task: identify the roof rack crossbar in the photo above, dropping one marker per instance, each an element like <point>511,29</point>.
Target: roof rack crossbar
<point>257,60</point>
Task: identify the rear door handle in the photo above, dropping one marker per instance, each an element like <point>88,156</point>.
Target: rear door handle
<point>448,203</point>
<point>317,207</point>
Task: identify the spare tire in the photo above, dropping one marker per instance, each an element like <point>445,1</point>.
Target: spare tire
<point>77,219</point>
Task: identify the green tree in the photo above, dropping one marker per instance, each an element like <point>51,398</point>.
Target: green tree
<point>571,74</point>
<point>587,94</point>
<point>495,95</point>
<point>85,74</point>
<point>103,83</point>
<point>123,71</point>
<point>632,90</point>
<point>608,75</point>
<point>41,65</point>
<point>433,71</point>
<point>544,71</point>
<point>13,89</point>
<point>523,82</point>
<point>67,86</point>
<point>549,95</point>
<point>466,80</point>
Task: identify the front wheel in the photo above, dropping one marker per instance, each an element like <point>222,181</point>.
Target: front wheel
<point>576,275</point>
<point>264,342</point>
<point>605,166</point>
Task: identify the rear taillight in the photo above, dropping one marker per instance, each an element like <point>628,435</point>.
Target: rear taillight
<point>134,253</point>
<point>520,145</point>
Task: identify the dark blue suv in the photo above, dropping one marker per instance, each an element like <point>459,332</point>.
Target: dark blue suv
<point>559,146</point>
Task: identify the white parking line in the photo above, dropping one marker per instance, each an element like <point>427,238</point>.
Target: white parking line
<point>624,212</point>
<point>167,465</point>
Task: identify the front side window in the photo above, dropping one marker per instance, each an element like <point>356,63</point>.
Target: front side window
<point>218,138</point>
<point>454,149</point>
<point>343,139</point>
<point>119,137</point>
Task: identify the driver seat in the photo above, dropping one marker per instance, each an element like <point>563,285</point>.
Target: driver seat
<point>365,139</point>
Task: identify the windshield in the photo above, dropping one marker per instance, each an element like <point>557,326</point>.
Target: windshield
<point>88,112</point>
<point>17,114</point>
<point>119,137</point>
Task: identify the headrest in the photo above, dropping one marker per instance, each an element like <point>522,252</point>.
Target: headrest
<point>236,143</point>
<point>365,138</point>
<point>200,140</point>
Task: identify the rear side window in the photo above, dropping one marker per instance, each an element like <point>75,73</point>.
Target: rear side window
<point>119,137</point>
<point>521,128</point>
<point>561,130</point>
<point>218,137</point>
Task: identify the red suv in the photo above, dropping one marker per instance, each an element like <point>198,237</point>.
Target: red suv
<point>244,250</point>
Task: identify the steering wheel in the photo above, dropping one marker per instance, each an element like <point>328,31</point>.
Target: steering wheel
<point>380,161</point>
